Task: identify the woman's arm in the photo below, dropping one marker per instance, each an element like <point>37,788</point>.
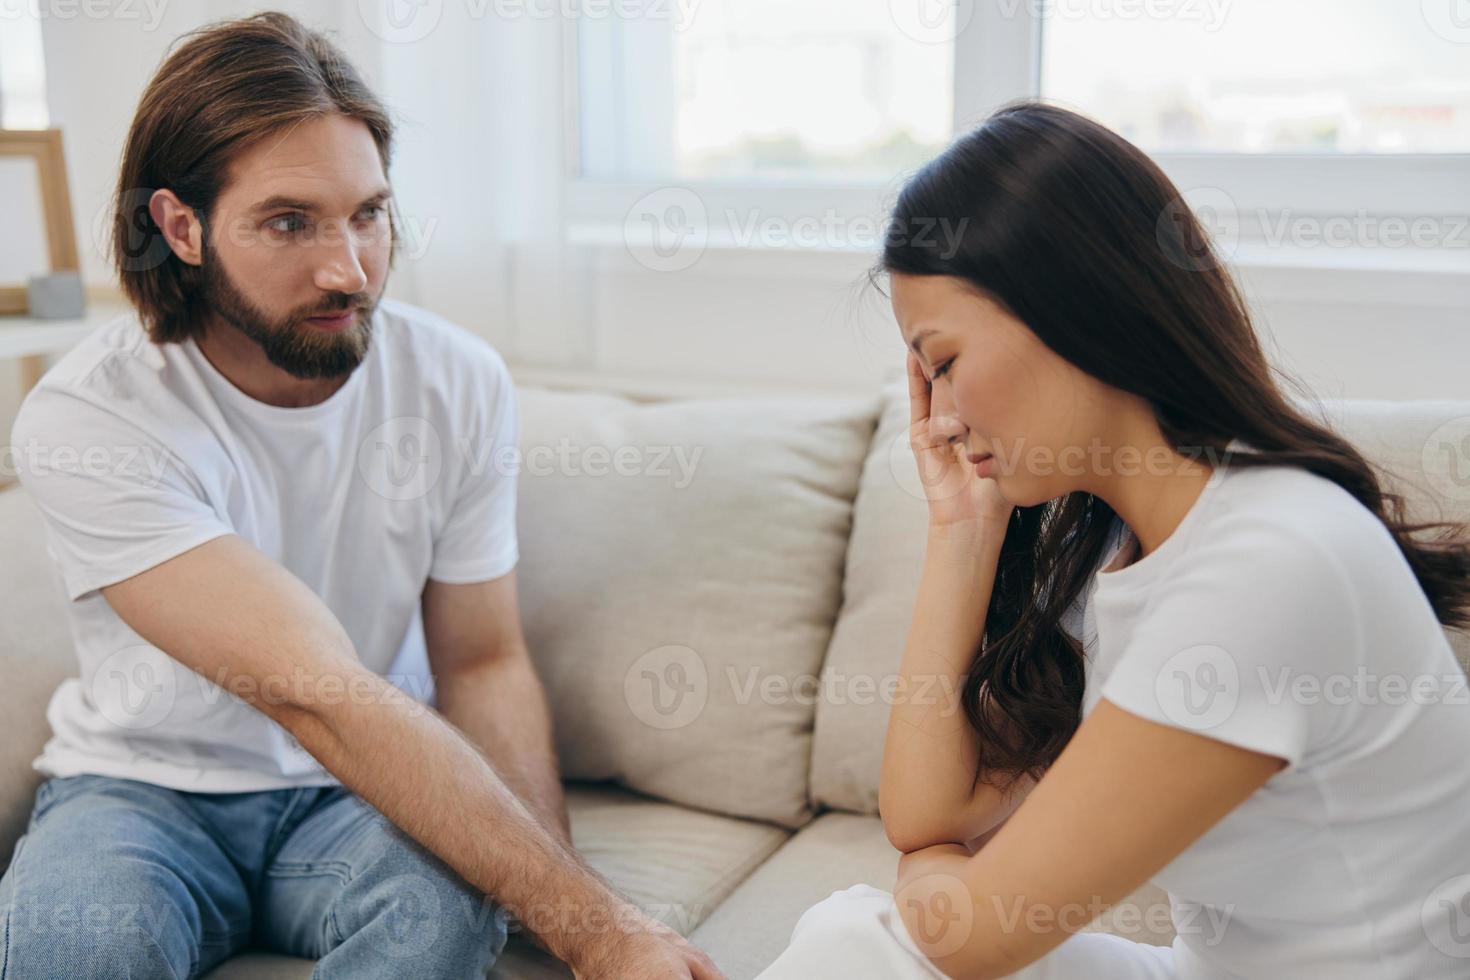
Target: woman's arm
<point>927,790</point>
<point>1125,797</point>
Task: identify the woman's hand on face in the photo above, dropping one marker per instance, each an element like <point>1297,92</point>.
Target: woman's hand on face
<point>957,495</point>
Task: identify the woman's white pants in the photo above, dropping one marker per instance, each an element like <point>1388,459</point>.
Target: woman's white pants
<point>856,934</point>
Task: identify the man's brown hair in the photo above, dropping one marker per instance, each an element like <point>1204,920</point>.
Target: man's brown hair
<point>227,86</point>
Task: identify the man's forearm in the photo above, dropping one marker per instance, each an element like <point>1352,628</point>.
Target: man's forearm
<point>500,706</point>
<point>426,777</point>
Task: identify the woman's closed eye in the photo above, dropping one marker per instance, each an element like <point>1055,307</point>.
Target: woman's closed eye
<point>942,369</point>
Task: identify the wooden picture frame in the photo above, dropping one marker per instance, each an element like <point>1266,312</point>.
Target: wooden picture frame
<point>43,148</point>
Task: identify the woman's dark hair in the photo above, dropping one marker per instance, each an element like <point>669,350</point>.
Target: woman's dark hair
<point>226,87</point>
<point>1080,236</point>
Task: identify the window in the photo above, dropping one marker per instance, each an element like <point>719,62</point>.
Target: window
<point>1313,108</point>
<point>762,89</point>
<point>22,71</point>
<point>1262,76</point>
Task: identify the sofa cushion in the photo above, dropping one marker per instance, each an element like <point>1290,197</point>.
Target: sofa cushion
<point>751,928</point>
<point>36,654</point>
<point>1423,449</point>
<point>678,601</point>
<point>674,863</point>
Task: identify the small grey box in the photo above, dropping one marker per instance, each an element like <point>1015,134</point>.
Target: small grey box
<point>56,296</point>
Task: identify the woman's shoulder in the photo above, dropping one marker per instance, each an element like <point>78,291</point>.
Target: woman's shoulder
<point>1288,508</point>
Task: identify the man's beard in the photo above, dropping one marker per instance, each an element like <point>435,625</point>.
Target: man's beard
<point>289,342</point>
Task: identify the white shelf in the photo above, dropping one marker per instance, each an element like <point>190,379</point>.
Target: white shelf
<point>24,336</point>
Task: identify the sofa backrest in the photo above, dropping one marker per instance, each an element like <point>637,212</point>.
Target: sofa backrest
<point>35,656</point>
<point>679,624</point>
<point>1422,449</point>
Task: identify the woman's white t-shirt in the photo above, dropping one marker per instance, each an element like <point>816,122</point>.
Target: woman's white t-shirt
<point>1280,616</point>
<point>136,452</point>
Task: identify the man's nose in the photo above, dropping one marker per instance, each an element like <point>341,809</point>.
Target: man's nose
<point>339,268</point>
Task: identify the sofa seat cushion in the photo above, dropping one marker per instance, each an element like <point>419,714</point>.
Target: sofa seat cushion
<point>674,863</point>
<point>751,927</point>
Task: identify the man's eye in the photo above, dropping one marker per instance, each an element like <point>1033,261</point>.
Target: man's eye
<point>370,213</point>
<point>287,223</point>
<point>943,369</point>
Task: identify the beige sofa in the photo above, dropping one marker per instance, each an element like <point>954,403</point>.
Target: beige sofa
<point>715,593</point>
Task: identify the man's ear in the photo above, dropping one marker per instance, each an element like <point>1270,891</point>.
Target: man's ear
<point>180,225</point>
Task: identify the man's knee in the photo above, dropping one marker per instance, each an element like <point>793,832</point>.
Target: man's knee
<point>411,907</point>
<point>91,891</point>
<point>84,929</point>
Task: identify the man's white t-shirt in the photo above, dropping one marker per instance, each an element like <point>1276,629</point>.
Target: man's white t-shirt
<point>1281,617</point>
<point>136,452</point>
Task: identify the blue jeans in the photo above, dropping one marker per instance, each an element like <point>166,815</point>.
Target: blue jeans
<point>116,878</point>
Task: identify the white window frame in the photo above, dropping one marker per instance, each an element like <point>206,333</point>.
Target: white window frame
<point>997,59</point>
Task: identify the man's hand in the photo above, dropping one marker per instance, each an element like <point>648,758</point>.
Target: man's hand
<point>645,948</point>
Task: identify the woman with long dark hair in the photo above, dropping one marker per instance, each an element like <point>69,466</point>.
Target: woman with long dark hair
<point>1181,615</point>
